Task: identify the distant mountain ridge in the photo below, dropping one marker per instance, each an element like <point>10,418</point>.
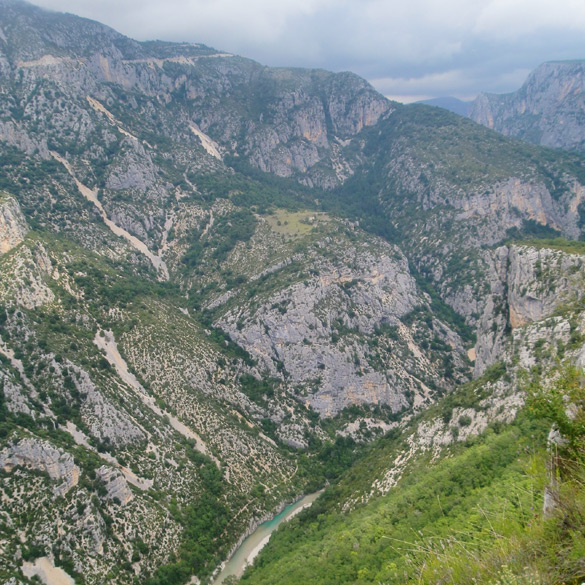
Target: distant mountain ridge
<point>452,104</point>
<point>549,108</point>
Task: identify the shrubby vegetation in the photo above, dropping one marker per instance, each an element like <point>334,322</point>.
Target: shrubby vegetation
<point>388,540</point>
<point>454,519</point>
<point>233,228</point>
<point>204,523</point>
<point>473,516</point>
<point>561,244</point>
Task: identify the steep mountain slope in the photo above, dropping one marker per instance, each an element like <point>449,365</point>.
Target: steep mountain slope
<point>547,110</point>
<point>89,355</point>
<point>285,121</point>
<point>452,189</point>
<point>501,509</point>
<point>216,275</point>
<point>142,428</point>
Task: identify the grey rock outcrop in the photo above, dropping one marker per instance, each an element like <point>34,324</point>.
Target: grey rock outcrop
<point>527,284</point>
<point>13,226</point>
<point>508,203</point>
<point>115,483</point>
<point>539,280</point>
<point>32,270</point>
<point>317,330</point>
<point>42,456</point>
<point>15,396</point>
<point>102,417</point>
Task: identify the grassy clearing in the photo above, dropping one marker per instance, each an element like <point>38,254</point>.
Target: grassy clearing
<point>567,246</point>
<point>296,224</point>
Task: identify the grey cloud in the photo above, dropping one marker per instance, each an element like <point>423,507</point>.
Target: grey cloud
<point>457,47</point>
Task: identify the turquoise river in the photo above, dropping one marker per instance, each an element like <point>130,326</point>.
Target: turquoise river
<point>248,550</point>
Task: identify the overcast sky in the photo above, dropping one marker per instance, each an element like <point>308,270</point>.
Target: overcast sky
<point>408,49</point>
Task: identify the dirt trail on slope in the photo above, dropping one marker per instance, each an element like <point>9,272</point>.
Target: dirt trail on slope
<point>91,195</point>
<point>109,345</point>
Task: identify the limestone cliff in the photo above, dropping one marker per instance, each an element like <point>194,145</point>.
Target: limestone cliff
<point>527,285</point>
<point>318,331</point>
<point>13,226</point>
<point>42,456</point>
<point>285,121</point>
<point>546,110</point>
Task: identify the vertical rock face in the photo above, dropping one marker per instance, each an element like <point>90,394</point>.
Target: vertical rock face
<point>13,226</point>
<point>509,203</point>
<point>295,120</point>
<point>494,319</point>
<point>546,110</point>
<point>526,285</point>
<point>538,281</point>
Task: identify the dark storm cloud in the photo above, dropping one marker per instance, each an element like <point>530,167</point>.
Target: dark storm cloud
<point>405,48</point>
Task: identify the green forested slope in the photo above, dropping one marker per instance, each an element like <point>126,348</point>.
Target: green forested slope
<point>472,515</point>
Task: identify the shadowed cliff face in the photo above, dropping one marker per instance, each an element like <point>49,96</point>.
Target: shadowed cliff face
<point>527,286</point>
<point>546,110</point>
